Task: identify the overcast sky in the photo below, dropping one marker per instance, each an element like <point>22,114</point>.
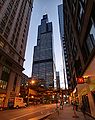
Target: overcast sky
<point>41,7</point>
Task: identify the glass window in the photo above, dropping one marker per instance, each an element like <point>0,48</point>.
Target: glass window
<point>81,10</point>
<point>89,44</point>
<point>1,44</point>
<point>84,2</point>
<point>5,74</point>
<point>92,30</point>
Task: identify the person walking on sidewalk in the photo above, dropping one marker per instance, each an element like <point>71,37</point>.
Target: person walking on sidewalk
<point>61,105</point>
<point>57,110</point>
<point>75,105</point>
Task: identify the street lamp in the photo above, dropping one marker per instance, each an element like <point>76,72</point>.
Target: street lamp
<point>30,83</point>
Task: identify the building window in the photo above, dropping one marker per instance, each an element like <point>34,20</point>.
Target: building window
<point>93,95</point>
<point>20,52</point>
<point>5,35</point>
<point>81,10</point>
<point>7,30</point>
<point>5,76</point>
<point>21,46</point>
<point>15,46</point>
<point>73,7</point>
<point>1,3</point>
<point>80,15</point>
<point>19,59</point>
<point>3,84</point>
<point>84,2</point>
<point>91,34</point>
<point>11,52</point>
<point>1,44</point>
<point>89,43</point>
<point>2,25</point>
<point>22,40</point>
<point>92,30</point>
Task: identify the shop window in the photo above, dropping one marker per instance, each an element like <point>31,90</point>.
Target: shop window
<point>85,102</point>
<point>93,95</point>
<point>3,84</point>
<point>5,77</point>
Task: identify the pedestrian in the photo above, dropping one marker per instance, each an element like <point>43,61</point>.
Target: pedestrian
<point>61,105</point>
<point>57,110</point>
<point>75,105</point>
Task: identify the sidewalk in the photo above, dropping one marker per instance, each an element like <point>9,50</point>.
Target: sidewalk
<point>68,114</point>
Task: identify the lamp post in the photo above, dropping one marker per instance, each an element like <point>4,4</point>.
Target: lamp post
<point>31,83</point>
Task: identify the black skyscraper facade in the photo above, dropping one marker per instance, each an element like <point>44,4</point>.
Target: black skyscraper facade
<point>43,63</point>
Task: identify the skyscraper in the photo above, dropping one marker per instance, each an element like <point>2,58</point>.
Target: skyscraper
<point>14,25</point>
<point>63,45</point>
<point>43,59</point>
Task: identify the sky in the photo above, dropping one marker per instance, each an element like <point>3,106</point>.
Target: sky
<point>41,7</point>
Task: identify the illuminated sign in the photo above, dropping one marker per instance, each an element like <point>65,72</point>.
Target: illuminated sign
<point>80,80</point>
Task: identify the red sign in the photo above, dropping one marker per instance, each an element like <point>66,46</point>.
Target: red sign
<point>80,80</point>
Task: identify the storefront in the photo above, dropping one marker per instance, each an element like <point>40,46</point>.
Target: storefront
<point>86,94</point>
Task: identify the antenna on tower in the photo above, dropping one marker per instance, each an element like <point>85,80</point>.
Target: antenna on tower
<point>45,11</point>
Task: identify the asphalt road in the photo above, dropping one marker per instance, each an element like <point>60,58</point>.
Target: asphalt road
<point>27,113</point>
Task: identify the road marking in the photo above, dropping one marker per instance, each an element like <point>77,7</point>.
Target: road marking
<point>25,115</point>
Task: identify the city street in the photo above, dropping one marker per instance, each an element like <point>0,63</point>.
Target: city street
<point>47,59</point>
<point>27,113</point>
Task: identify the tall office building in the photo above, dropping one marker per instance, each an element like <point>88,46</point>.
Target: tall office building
<point>66,71</point>
<point>43,60</point>
<point>14,25</point>
<point>57,81</point>
<point>79,34</point>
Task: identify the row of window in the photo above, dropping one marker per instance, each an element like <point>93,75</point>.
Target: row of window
<point>17,27</point>
<point>2,3</point>
<point>80,13</point>
<point>5,18</point>
<point>89,43</point>
<point>15,35</point>
<point>5,77</point>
